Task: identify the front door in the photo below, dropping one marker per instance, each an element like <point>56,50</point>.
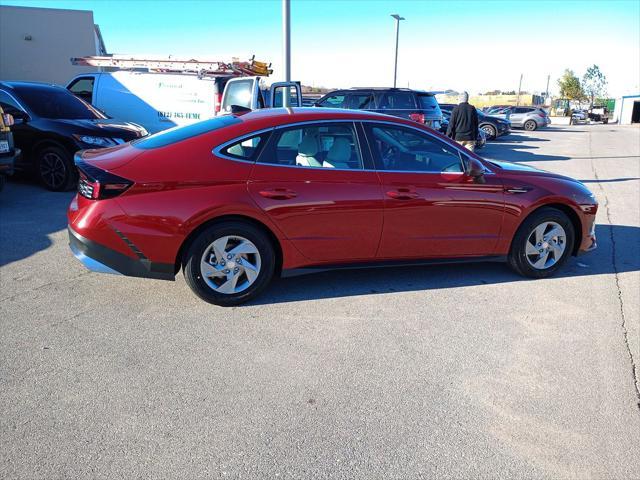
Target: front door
<point>432,208</point>
<point>312,182</point>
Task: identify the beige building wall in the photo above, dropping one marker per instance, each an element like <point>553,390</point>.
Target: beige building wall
<point>37,43</point>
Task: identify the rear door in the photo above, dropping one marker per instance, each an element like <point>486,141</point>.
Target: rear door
<point>316,185</point>
<point>399,103</point>
<point>242,92</point>
<point>518,115</point>
<point>281,90</point>
<point>361,100</point>
<point>432,208</point>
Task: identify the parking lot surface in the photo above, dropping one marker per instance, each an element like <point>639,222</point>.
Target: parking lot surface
<point>459,371</point>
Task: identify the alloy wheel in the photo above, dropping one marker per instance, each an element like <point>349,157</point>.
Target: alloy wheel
<point>230,264</point>
<point>530,125</point>
<point>53,170</point>
<point>489,131</point>
<point>545,245</point>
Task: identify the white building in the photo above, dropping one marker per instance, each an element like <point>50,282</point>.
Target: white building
<point>37,43</point>
<point>627,110</point>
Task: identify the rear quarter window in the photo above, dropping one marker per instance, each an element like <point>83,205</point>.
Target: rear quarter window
<point>178,134</point>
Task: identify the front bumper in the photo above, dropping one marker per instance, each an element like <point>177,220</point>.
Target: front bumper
<point>101,259</point>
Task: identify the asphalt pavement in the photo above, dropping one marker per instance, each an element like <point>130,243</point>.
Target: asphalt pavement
<point>460,371</point>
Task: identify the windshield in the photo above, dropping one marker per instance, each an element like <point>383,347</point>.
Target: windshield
<point>56,103</point>
<point>177,134</point>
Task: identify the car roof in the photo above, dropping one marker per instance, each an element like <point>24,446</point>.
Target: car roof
<point>38,85</point>
<point>380,89</point>
<point>273,117</point>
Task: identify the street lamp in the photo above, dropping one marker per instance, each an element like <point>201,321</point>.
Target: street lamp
<point>286,48</point>
<point>395,67</point>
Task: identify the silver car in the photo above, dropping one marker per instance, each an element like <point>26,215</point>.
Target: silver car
<point>529,118</point>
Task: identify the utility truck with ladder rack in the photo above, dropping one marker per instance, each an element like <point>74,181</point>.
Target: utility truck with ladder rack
<point>163,93</point>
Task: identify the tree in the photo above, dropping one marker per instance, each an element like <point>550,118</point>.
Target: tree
<point>594,83</point>
<point>570,87</point>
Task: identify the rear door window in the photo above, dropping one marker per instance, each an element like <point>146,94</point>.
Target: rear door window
<point>361,101</point>
<point>398,101</point>
<point>317,145</point>
<point>333,101</point>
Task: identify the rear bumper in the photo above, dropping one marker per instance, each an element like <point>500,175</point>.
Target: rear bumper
<point>8,162</point>
<point>101,259</point>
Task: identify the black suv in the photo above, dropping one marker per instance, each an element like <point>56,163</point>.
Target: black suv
<point>493,127</point>
<point>51,124</point>
<point>415,105</point>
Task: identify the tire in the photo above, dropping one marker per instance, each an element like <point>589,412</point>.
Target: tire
<point>524,253</point>
<point>491,131</point>
<point>530,125</point>
<point>55,169</point>
<point>219,287</point>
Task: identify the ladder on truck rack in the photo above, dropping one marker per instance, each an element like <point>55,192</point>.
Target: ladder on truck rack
<point>201,68</point>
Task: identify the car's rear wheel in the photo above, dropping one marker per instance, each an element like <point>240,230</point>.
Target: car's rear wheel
<point>530,125</point>
<point>229,263</point>
<point>490,131</point>
<point>542,244</point>
<point>55,169</point>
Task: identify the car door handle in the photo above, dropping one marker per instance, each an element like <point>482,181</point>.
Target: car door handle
<point>278,194</point>
<point>402,194</point>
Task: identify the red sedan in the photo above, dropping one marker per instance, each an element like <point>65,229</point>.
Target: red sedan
<point>237,199</point>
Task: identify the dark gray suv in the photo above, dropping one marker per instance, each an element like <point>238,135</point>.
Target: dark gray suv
<point>415,105</point>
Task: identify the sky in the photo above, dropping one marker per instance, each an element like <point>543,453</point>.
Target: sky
<point>472,45</point>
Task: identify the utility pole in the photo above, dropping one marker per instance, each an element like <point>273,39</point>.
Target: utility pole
<point>395,67</point>
<point>286,49</point>
<point>546,95</point>
<point>519,89</point>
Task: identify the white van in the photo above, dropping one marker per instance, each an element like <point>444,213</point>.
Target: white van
<point>158,101</point>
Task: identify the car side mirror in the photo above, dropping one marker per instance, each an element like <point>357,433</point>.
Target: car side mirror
<point>20,117</point>
<point>476,170</point>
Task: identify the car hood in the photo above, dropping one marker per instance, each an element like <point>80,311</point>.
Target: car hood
<point>106,127</point>
<point>519,168</point>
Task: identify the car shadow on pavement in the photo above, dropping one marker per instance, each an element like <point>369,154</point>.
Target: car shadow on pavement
<point>517,153</point>
<point>24,230</point>
<point>517,138</point>
<point>388,280</point>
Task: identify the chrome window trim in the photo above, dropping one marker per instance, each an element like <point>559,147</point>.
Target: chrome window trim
<point>217,151</point>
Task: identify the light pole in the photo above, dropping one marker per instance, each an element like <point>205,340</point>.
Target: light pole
<point>395,66</point>
<point>286,49</point>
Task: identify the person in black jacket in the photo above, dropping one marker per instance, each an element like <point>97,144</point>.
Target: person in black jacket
<point>463,125</point>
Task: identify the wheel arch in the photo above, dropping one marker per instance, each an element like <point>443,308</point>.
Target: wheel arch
<point>179,262</point>
<point>569,212</point>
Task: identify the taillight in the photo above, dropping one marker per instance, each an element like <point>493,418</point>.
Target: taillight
<point>417,117</point>
<point>218,104</point>
<point>97,184</point>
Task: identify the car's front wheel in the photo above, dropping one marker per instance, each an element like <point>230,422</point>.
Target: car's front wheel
<point>530,125</point>
<point>542,244</point>
<point>229,263</point>
<point>490,131</point>
<point>55,169</point>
